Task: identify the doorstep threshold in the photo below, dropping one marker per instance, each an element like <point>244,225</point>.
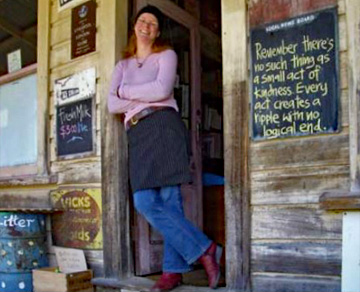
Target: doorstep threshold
<point>141,284</point>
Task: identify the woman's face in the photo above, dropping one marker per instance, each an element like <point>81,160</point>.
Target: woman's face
<point>146,28</point>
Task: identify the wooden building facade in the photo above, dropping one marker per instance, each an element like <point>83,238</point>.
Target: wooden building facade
<point>282,205</point>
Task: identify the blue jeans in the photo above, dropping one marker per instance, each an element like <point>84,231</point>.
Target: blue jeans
<point>183,242</point>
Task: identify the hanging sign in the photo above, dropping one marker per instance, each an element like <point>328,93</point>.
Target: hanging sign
<point>295,77</point>
<point>80,225</point>
<point>83,29</point>
<point>75,87</point>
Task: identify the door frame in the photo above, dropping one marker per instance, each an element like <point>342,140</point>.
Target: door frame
<point>236,143</point>
<point>118,263</point>
<point>144,250</point>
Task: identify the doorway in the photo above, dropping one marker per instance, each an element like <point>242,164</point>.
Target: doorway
<point>193,29</point>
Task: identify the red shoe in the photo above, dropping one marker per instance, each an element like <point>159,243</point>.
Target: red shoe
<point>210,260</point>
<point>167,282</point>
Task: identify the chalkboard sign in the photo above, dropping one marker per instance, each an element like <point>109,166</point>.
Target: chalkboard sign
<point>74,130</point>
<point>294,77</point>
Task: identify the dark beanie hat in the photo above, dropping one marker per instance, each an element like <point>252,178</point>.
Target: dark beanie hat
<point>154,11</point>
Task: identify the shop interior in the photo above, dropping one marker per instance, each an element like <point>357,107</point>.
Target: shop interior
<point>209,131</point>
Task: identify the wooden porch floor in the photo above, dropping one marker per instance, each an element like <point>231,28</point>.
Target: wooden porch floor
<point>194,281</point>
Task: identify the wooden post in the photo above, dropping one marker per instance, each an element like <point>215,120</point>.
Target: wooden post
<point>115,193</point>
<point>236,142</point>
<point>353,30</point>
<point>43,60</point>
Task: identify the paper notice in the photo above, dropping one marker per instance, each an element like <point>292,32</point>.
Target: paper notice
<point>14,61</point>
<point>70,260</point>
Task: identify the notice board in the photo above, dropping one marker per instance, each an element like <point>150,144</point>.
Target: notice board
<point>74,127</point>
<point>295,77</point>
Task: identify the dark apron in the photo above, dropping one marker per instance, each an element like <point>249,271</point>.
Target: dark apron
<point>159,151</point>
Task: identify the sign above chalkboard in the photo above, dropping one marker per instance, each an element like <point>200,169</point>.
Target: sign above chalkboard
<point>81,85</point>
<point>295,77</point>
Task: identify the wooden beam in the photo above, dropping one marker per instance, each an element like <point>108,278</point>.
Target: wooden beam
<point>353,30</point>
<point>11,40</point>
<point>305,283</point>
<point>210,44</point>
<point>26,180</point>
<point>195,88</point>
<point>114,173</point>
<point>177,13</point>
<point>281,256</point>
<point>142,284</point>
<point>340,200</point>
<point>29,199</point>
<point>43,69</point>
<point>14,31</point>
<point>18,74</point>
<point>236,144</point>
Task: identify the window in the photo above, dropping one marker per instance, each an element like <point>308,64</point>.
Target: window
<point>19,121</point>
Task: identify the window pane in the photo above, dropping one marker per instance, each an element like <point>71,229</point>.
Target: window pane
<point>18,122</point>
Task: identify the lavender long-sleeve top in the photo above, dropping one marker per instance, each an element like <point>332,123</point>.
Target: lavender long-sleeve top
<point>133,89</point>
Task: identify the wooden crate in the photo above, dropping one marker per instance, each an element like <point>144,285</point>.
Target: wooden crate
<point>47,280</point>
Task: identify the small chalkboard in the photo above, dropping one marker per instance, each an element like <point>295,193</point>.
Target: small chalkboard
<point>295,77</point>
<point>74,127</point>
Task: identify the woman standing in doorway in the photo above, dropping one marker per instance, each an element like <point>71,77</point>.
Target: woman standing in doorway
<point>142,88</point>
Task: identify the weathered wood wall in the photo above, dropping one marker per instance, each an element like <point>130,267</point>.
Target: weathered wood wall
<point>353,20</point>
<point>236,144</point>
<point>82,171</point>
<point>296,246</point>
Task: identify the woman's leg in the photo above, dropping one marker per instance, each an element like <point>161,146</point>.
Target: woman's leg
<point>173,262</point>
<point>178,232</point>
<point>184,243</point>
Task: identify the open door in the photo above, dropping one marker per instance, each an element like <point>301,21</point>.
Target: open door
<point>182,32</point>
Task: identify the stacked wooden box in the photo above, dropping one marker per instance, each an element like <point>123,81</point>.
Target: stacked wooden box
<point>48,280</point>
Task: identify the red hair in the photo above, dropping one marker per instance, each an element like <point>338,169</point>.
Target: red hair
<point>158,46</point>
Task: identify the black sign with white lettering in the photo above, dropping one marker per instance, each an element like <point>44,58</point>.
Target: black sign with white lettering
<point>68,93</point>
<point>83,29</point>
<point>295,77</point>
<point>74,130</point>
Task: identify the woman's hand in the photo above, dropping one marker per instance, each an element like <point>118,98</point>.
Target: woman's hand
<point>116,103</point>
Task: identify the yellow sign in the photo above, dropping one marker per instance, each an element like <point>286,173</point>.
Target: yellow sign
<point>80,224</point>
